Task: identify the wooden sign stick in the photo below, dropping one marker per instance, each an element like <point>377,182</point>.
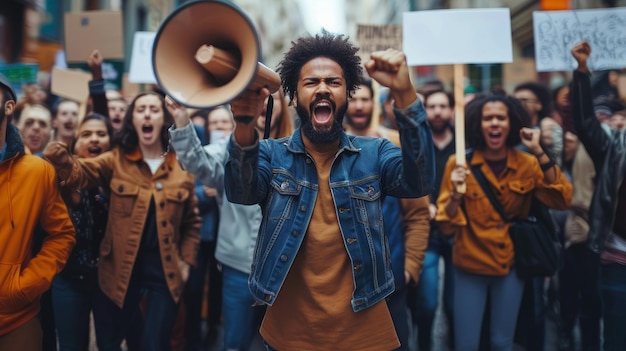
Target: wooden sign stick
<point>459,121</point>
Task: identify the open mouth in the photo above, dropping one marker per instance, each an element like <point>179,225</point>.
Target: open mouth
<point>94,150</point>
<point>116,121</point>
<point>147,130</point>
<point>68,125</point>
<point>322,112</point>
<point>494,137</point>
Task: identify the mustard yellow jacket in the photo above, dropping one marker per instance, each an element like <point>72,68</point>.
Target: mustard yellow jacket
<point>487,248</point>
<point>29,196</point>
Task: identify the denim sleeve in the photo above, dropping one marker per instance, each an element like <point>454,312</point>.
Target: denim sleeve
<point>205,163</point>
<point>415,175</point>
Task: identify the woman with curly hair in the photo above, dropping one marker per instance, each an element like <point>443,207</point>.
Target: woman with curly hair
<point>483,254</point>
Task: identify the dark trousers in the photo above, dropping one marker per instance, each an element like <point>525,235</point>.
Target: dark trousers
<point>159,312</point>
<point>530,330</point>
<point>46,318</point>
<point>579,295</point>
<point>396,303</point>
<point>194,294</point>
<point>613,292</point>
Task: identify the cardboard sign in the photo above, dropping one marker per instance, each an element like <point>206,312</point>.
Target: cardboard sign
<point>371,38</point>
<point>556,32</point>
<point>90,30</point>
<point>70,84</point>
<point>457,36</point>
<point>522,70</point>
<point>141,59</point>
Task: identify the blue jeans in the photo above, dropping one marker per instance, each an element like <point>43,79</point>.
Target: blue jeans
<point>470,298</point>
<point>241,318</point>
<point>426,300</point>
<point>613,290</point>
<point>73,300</point>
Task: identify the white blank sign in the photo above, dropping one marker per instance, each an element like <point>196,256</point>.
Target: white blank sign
<point>457,36</point>
<point>141,59</point>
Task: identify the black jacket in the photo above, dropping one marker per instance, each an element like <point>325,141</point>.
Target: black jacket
<point>608,152</point>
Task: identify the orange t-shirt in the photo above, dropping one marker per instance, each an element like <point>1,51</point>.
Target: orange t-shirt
<point>313,309</point>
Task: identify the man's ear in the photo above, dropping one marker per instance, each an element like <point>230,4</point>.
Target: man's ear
<point>9,107</point>
<point>294,101</point>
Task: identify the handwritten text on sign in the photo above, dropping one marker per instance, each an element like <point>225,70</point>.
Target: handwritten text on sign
<point>373,38</point>
<point>556,32</point>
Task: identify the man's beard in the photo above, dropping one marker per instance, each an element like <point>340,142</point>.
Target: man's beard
<point>441,129</point>
<point>322,137</point>
<point>359,127</point>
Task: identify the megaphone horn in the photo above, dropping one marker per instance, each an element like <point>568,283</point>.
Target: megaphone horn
<point>206,54</point>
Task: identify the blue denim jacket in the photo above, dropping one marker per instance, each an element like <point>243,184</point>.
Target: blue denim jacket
<point>281,177</point>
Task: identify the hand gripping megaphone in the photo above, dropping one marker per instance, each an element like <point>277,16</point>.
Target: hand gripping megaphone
<point>206,53</point>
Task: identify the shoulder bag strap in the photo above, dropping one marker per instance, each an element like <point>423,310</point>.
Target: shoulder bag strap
<point>482,181</point>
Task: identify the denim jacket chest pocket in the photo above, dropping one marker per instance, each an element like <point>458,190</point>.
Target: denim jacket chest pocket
<point>366,199</point>
<point>283,196</point>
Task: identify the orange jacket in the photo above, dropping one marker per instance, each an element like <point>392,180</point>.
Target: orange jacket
<point>29,195</point>
<point>487,249</point>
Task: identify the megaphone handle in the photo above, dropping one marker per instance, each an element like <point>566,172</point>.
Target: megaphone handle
<point>268,117</point>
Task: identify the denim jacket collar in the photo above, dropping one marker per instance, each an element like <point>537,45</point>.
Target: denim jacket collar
<point>295,143</point>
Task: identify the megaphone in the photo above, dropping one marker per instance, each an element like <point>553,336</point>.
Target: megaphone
<point>206,53</point>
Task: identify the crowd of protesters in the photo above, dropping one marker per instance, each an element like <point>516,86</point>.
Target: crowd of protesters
<point>165,250</point>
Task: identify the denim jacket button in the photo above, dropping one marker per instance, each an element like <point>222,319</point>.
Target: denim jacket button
<point>308,161</point>
<point>370,191</point>
<point>284,185</point>
<point>357,267</point>
<point>268,297</point>
<point>294,233</point>
<point>303,208</point>
<point>283,258</point>
<point>351,240</point>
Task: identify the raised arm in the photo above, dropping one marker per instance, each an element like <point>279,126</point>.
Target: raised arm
<point>96,85</point>
<point>206,163</point>
<point>389,68</point>
<point>590,131</point>
<point>78,173</point>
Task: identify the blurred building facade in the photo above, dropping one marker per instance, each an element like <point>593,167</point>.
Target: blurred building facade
<point>31,31</point>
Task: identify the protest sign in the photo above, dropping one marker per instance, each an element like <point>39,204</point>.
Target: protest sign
<point>371,38</point>
<point>141,59</point>
<point>457,37</point>
<point>556,32</point>
<point>90,30</point>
